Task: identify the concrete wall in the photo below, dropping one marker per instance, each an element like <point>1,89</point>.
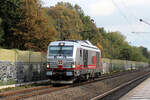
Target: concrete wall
<point>21,72</point>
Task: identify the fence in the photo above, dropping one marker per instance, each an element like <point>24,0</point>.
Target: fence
<point>117,65</point>
<point>21,66</point>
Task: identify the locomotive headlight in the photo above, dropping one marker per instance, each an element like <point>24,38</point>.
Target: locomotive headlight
<point>73,65</point>
<point>48,66</point>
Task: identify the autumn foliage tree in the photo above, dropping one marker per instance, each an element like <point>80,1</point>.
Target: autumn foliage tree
<point>67,21</point>
<point>25,24</point>
<point>33,31</point>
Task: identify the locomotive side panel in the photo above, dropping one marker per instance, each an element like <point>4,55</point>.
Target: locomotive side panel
<point>88,62</point>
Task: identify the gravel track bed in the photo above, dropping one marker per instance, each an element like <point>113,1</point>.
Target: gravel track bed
<point>86,92</point>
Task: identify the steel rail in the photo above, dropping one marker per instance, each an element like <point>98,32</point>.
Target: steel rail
<point>101,96</point>
<point>105,77</point>
<point>26,93</point>
<point>23,91</point>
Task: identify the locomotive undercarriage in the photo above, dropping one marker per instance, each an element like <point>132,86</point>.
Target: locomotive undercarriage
<point>63,76</point>
<point>60,76</point>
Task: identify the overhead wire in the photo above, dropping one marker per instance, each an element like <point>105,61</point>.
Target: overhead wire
<point>141,25</point>
<point>130,11</point>
<point>115,4</point>
<point>124,16</point>
<point>132,14</point>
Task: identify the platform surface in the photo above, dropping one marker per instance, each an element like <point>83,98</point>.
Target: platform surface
<point>141,92</point>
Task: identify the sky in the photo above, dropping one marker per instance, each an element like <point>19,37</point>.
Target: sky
<point>117,15</point>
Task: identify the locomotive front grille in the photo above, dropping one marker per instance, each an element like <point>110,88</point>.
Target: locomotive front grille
<point>53,65</point>
<point>63,62</point>
<point>67,65</point>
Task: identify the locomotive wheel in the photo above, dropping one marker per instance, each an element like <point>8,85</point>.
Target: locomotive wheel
<point>78,80</point>
<point>93,76</point>
<point>99,73</point>
<point>87,76</point>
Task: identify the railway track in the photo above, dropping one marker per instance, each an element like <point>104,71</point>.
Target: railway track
<point>116,93</point>
<point>30,92</point>
<point>105,77</point>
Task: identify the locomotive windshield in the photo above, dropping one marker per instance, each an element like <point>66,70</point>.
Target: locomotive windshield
<point>61,50</point>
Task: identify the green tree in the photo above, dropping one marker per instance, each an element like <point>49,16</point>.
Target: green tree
<point>125,53</point>
<point>90,30</point>
<point>1,31</point>
<point>144,52</point>
<point>117,41</point>
<point>137,55</point>
<point>9,15</point>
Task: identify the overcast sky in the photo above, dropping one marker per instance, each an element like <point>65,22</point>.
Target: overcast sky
<point>118,15</point>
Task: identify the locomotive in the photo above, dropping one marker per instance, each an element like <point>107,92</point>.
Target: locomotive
<point>71,60</point>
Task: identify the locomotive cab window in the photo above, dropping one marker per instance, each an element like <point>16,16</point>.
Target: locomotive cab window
<point>61,50</point>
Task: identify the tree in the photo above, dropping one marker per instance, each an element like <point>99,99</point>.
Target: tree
<point>90,29</point>
<point>144,52</point>
<point>67,21</point>
<point>33,30</point>
<point>1,31</point>
<point>125,53</point>
<point>116,41</point>
<point>101,48</point>
<point>9,16</point>
<point>137,55</point>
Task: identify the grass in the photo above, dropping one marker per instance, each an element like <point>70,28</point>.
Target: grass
<point>24,87</point>
<point>15,88</point>
<point>9,82</point>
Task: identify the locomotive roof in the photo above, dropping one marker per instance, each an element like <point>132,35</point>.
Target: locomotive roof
<point>84,43</point>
